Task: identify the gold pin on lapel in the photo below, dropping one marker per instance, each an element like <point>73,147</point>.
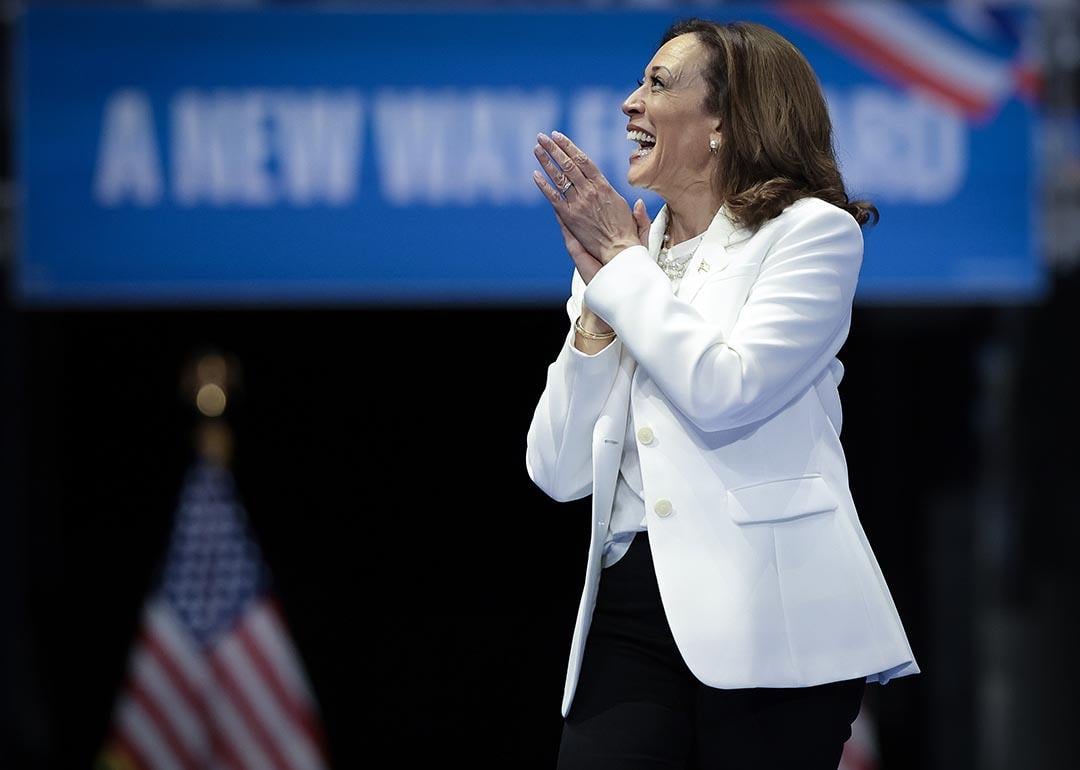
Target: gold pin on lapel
<point>703,267</point>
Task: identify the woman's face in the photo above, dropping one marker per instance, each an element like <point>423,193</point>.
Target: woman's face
<point>669,106</point>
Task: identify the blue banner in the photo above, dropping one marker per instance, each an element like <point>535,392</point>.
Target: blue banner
<point>297,157</point>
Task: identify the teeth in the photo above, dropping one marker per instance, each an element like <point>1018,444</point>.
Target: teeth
<point>640,136</point>
<point>643,152</point>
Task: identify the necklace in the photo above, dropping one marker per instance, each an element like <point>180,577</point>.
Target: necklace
<point>675,267</point>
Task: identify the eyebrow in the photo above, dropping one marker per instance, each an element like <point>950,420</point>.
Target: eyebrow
<point>656,67</point>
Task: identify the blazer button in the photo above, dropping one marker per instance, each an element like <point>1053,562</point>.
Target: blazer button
<point>662,507</point>
<point>645,435</point>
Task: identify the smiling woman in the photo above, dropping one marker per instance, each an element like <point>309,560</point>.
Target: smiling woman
<point>669,117</point>
<point>733,610</point>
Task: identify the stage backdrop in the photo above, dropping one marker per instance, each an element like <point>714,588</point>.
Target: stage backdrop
<point>300,157</point>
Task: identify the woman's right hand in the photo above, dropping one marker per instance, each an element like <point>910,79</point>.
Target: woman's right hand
<point>587,264</point>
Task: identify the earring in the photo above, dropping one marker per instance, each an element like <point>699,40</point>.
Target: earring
<point>713,146</point>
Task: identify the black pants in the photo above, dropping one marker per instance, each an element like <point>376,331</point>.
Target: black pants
<point>637,705</point>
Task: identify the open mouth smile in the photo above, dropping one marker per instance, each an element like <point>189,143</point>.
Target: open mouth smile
<point>646,141</point>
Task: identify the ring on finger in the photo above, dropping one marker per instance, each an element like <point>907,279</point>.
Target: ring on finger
<point>565,187</point>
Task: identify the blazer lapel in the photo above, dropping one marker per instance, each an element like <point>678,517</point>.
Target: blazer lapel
<point>656,232</point>
<point>712,255</point>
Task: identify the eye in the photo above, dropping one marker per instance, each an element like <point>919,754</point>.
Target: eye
<point>657,82</point>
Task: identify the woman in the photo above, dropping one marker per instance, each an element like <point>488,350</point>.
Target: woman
<point>741,610</point>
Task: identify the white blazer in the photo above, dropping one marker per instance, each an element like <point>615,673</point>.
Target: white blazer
<point>766,576</point>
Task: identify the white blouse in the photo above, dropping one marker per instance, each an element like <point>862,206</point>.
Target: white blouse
<point>628,509</point>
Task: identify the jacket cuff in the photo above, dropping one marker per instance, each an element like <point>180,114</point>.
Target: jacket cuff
<point>574,352</point>
<point>616,283</point>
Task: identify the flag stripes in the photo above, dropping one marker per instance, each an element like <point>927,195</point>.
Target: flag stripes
<point>896,42</point>
<point>213,680</point>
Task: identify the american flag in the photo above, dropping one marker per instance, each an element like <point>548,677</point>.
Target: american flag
<point>970,56</point>
<point>213,679</point>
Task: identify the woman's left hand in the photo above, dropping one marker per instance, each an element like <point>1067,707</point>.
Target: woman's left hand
<point>594,213</point>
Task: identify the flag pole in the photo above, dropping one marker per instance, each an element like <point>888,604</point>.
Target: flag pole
<point>210,380</point>
<point>214,678</point>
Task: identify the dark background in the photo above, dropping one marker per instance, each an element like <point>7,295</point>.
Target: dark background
<point>432,589</point>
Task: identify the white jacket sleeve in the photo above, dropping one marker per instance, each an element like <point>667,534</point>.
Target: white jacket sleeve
<point>793,323</point>
<point>558,454</point>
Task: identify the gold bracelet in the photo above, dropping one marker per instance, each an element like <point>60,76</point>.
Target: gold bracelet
<point>591,335</point>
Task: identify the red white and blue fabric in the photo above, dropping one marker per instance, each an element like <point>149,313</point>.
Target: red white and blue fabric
<point>969,59</point>
<point>213,679</point>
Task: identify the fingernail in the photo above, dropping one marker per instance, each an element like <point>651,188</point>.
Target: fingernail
<point>556,133</point>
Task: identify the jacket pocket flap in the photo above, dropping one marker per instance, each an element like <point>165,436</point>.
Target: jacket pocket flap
<point>780,499</point>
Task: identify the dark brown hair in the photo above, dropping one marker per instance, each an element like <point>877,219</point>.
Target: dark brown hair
<point>777,143</point>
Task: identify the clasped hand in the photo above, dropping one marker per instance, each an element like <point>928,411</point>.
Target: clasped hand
<point>596,222</point>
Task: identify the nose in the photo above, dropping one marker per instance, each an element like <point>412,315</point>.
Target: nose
<point>632,105</point>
